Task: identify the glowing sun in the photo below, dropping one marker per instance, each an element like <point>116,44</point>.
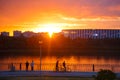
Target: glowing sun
<point>50,28</point>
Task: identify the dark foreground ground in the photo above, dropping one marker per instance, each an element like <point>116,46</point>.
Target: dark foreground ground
<point>48,78</point>
<point>45,78</point>
<point>49,75</point>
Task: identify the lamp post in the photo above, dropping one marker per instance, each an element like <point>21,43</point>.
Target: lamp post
<point>40,42</point>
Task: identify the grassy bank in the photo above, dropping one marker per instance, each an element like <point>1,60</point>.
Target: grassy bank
<point>59,46</point>
<point>61,52</point>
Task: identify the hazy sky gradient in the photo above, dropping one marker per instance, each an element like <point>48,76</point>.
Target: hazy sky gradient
<point>27,14</point>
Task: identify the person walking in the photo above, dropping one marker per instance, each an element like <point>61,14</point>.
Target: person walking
<point>12,67</point>
<point>64,66</point>
<point>93,67</point>
<point>20,66</point>
<point>32,65</point>
<point>27,65</point>
<point>57,63</point>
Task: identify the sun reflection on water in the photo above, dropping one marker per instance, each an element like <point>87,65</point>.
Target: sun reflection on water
<point>48,62</point>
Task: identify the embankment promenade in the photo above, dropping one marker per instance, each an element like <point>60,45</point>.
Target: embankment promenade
<point>49,73</point>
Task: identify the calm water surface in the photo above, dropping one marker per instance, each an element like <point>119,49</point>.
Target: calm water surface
<point>74,63</point>
<point>68,59</point>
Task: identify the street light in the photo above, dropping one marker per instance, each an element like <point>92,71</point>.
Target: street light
<point>40,42</point>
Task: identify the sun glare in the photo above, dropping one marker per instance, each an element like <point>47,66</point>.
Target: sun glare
<point>50,28</point>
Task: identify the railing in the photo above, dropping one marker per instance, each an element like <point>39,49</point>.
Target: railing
<point>69,67</point>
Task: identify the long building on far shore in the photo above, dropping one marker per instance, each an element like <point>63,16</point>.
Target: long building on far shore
<point>91,33</point>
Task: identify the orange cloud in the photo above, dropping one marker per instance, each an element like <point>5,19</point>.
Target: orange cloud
<point>27,14</point>
<point>114,8</point>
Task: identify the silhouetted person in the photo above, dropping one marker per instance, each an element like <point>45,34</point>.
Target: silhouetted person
<point>64,66</point>
<point>27,64</point>
<point>93,67</point>
<point>12,67</point>
<point>20,66</point>
<point>57,67</point>
<point>32,65</point>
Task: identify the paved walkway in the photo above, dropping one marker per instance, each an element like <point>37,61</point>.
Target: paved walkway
<point>49,73</point>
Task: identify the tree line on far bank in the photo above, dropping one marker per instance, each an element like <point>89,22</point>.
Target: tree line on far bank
<point>58,44</point>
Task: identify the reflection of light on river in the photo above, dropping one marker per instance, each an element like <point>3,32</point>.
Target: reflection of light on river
<point>70,59</point>
<point>49,62</point>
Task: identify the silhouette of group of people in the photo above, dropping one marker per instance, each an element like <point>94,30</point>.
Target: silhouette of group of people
<point>12,67</point>
<point>27,65</point>
<point>32,65</point>
<point>63,64</point>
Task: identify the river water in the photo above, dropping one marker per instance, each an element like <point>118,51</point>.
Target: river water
<point>75,63</point>
<point>68,59</point>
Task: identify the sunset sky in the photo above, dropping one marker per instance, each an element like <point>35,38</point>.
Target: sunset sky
<point>33,15</point>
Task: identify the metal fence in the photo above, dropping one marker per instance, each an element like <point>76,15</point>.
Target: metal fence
<point>69,67</point>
